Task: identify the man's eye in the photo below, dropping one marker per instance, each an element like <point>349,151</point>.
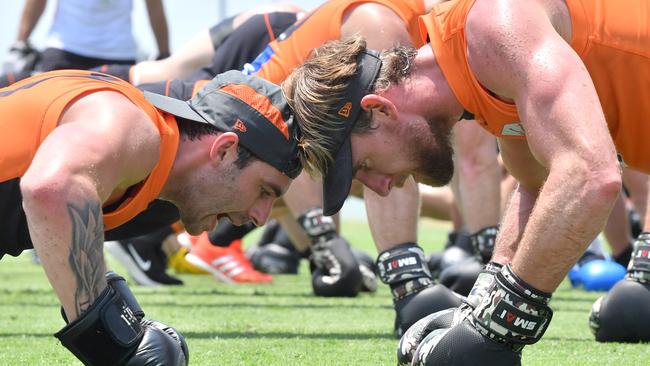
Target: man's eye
<point>264,192</point>
<point>364,166</point>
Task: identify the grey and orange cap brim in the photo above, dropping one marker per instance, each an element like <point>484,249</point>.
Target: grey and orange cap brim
<point>251,107</point>
<point>337,181</point>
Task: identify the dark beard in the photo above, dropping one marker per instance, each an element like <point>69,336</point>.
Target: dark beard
<point>190,208</point>
<point>435,154</point>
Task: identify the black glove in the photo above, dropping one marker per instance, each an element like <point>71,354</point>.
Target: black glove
<point>511,315</point>
<point>483,242</point>
<point>111,332</point>
<point>275,253</point>
<point>446,318</point>
<point>368,270</point>
<point>418,305</point>
<point>335,270</point>
<point>623,314</point>
<point>457,248</point>
<point>461,276</point>
<point>463,345</point>
<point>275,258</point>
<point>415,296</point>
<point>22,57</point>
<point>460,266</point>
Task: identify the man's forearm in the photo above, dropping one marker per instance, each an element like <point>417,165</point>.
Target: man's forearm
<point>512,226</point>
<point>570,211</point>
<point>158,23</point>
<point>68,236</point>
<point>31,14</point>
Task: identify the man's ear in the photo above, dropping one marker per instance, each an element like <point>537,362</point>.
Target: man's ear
<point>379,105</point>
<point>222,144</point>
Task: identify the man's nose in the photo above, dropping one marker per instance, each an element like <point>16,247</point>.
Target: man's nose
<point>260,212</point>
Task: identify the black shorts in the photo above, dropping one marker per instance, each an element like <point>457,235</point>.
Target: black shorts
<point>245,43</point>
<point>14,233</point>
<point>56,59</point>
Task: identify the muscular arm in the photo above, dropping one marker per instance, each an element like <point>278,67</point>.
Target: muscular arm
<point>31,14</point>
<point>516,52</point>
<point>158,22</point>
<point>520,163</point>
<point>381,27</point>
<point>103,144</point>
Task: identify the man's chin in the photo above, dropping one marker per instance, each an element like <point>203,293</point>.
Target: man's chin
<point>198,227</point>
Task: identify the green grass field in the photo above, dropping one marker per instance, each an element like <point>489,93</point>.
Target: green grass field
<point>279,324</point>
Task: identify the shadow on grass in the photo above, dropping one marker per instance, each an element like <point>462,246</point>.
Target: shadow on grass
<point>563,310</point>
<point>240,305</point>
<point>26,335</point>
<point>228,305</point>
<point>557,299</point>
<point>27,291</point>
<point>568,339</point>
<point>285,335</point>
<point>245,335</point>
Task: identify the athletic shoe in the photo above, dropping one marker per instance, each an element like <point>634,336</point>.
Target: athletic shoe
<point>146,264</point>
<point>179,263</point>
<point>227,264</point>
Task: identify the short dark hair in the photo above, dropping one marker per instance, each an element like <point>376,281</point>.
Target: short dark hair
<point>244,157</point>
<point>193,130</point>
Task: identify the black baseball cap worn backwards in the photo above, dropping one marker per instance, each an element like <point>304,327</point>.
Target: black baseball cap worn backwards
<point>249,106</point>
<point>338,178</point>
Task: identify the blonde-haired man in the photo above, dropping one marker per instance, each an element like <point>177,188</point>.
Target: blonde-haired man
<point>552,80</point>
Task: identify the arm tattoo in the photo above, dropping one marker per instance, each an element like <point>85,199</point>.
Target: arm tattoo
<point>86,257</point>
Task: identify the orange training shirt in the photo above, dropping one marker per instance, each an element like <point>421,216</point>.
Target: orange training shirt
<point>322,24</point>
<point>32,108</point>
<point>611,37</point>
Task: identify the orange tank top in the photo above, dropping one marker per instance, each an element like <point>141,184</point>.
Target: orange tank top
<point>612,39</point>
<point>322,24</point>
<point>32,108</point>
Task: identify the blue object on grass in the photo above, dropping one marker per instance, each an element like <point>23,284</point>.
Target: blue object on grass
<point>600,275</point>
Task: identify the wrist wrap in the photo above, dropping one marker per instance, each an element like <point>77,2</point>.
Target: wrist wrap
<point>483,283</point>
<point>105,334</point>
<point>513,312</point>
<point>639,267</point>
<point>317,226</point>
<point>404,269</point>
<point>483,242</point>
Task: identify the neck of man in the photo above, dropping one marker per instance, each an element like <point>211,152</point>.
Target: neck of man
<point>427,92</point>
<point>187,160</point>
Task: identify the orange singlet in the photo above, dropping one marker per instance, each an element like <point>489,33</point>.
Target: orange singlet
<point>322,24</point>
<point>32,108</point>
<point>611,37</point>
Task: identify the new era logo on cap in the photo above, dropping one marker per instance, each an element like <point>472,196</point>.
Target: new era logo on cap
<point>247,104</point>
<point>345,110</point>
<point>239,125</point>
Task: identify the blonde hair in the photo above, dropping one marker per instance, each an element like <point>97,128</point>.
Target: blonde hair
<point>319,84</point>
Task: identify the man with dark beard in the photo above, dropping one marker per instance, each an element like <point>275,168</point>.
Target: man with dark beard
<point>85,153</point>
<point>561,83</point>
